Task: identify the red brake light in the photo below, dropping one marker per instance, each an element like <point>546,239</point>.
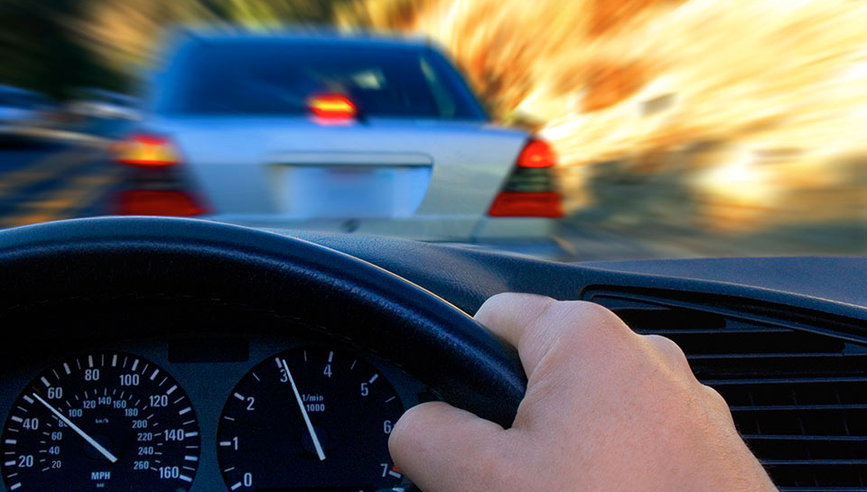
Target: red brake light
<point>530,189</point>
<point>146,151</point>
<point>536,154</point>
<point>332,106</point>
<point>516,204</point>
<point>159,202</point>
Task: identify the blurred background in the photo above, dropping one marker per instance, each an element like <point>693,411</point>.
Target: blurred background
<point>683,128</point>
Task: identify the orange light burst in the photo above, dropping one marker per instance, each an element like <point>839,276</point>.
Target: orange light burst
<point>779,85</point>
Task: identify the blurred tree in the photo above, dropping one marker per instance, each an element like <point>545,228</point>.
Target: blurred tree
<point>55,46</point>
<point>42,52</point>
<point>274,11</point>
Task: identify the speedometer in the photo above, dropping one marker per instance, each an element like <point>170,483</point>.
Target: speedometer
<point>104,421</point>
<point>310,419</point>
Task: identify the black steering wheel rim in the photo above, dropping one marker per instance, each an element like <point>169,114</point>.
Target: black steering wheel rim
<point>147,258</point>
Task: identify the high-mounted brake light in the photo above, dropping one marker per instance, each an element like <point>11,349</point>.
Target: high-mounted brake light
<point>332,106</point>
<point>146,151</point>
<point>537,153</point>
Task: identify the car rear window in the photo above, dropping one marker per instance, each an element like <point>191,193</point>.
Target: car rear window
<point>276,78</point>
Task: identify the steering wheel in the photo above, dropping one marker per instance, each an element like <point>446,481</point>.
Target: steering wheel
<point>59,276</point>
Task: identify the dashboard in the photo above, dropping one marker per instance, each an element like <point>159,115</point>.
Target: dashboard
<point>151,354</point>
<point>225,411</point>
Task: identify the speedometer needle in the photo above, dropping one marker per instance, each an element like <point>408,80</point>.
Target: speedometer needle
<point>105,452</point>
<point>304,413</point>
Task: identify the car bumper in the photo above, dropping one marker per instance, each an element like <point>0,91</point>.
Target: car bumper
<point>440,228</point>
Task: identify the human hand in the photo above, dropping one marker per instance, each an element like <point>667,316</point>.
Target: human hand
<point>606,410</point>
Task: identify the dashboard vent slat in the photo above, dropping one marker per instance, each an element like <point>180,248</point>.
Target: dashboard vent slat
<point>797,365</point>
<point>795,408</point>
<point>783,355</point>
<point>821,489</point>
<point>798,394</point>
<point>799,437</point>
<point>813,462</point>
<point>820,380</point>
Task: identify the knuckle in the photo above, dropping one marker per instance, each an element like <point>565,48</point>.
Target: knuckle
<point>593,319</point>
<point>546,310</point>
<point>579,326</point>
<point>671,350</point>
<point>594,311</point>
<point>715,398</point>
<point>603,321</point>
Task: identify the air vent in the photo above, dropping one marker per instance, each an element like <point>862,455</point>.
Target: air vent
<point>798,392</point>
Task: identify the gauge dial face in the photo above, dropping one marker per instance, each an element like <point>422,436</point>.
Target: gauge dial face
<point>104,421</point>
<point>310,418</point>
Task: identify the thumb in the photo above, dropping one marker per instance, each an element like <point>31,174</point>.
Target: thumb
<point>444,449</point>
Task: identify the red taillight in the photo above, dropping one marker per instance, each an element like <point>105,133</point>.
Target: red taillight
<point>146,151</point>
<point>159,202</point>
<point>332,107</point>
<point>516,204</point>
<point>530,190</point>
<point>537,154</point>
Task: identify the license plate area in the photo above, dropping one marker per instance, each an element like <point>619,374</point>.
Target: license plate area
<point>346,191</point>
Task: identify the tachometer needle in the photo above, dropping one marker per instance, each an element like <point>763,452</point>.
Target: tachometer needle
<point>105,452</point>
<point>304,413</point>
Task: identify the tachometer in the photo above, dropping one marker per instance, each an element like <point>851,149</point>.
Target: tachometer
<point>105,421</point>
<point>310,419</point>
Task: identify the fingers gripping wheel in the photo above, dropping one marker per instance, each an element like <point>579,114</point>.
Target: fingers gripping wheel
<point>167,264</point>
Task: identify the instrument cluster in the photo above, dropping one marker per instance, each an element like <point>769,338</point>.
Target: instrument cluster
<point>209,413</point>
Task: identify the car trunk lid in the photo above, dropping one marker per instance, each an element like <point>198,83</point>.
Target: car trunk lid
<point>297,168</point>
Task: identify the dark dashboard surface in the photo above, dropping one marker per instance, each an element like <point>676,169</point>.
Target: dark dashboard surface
<point>467,276</point>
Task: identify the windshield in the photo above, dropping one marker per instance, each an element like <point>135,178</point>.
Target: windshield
<point>571,131</point>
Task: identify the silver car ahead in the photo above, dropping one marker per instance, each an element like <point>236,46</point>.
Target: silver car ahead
<point>374,135</point>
